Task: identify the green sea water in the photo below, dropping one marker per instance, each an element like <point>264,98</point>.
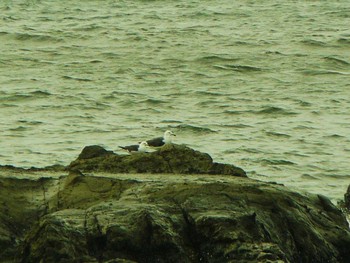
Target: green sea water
<point>264,85</point>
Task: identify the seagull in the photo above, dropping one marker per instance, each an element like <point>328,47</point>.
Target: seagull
<point>142,147</point>
<point>160,141</point>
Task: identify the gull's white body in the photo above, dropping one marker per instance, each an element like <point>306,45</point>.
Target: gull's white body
<point>141,147</point>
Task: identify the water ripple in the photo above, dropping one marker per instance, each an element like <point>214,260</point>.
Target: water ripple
<point>273,94</point>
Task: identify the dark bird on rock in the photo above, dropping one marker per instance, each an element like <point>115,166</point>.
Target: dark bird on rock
<point>160,141</point>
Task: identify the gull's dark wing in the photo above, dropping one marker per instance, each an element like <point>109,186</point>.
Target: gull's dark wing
<point>130,148</point>
<point>156,142</point>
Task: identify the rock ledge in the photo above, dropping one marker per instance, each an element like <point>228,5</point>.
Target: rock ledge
<point>176,159</point>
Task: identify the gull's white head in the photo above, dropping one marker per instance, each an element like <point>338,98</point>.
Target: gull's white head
<point>143,147</point>
<point>168,136</point>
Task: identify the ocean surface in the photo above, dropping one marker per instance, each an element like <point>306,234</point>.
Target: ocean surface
<point>264,85</point>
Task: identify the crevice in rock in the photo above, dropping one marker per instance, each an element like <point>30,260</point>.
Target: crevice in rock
<point>58,196</point>
<point>45,201</point>
<point>266,233</point>
<point>96,242</point>
<point>148,234</point>
<point>192,235</point>
<point>296,258</point>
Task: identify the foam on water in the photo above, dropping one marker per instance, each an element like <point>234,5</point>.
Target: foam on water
<point>263,86</point>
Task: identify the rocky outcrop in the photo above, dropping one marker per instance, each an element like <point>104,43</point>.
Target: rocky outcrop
<point>164,218</point>
<point>171,205</point>
<point>172,158</point>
